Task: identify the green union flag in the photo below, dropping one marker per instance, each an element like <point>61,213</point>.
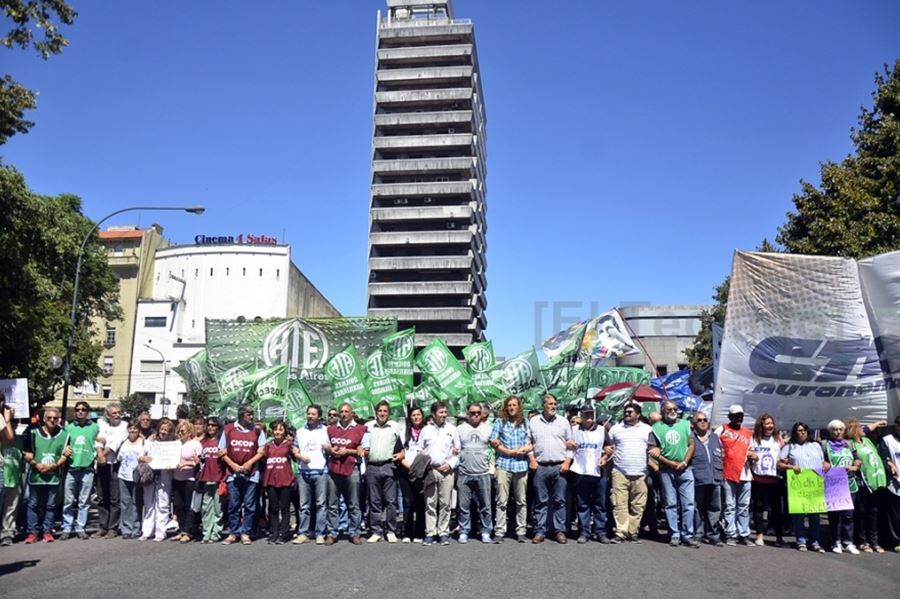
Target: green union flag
<point>442,370</point>
<point>564,346</point>
<point>519,374</point>
<point>399,351</point>
<point>383,387</point>
<point>480,361</point>
<point>348,381</point>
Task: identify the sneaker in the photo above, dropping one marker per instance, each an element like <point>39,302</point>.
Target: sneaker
<point>603,540</point>
<point>536,539</point>
<point>694,543</point>
<point>486,537</point>
<point>406,540</point>
<point>616,540</point>
<point>746,542</point>
<point>445,540</point>
<point>82,535</point>
<point>636,540</point>
<point>582,540</point>
<point>320,540</point>
<point>374,538</point>
<point>674,542</point>
<point>329,540</point>
<point>731,542</point>
<point>64,536</point>
<point>498,540</point>
<point>391,537</point>
<point>463,538</point>
<point>801,546</point>
<point>5,542</point>
<point>300,539</point>
<point>279,541</point>
<point>837,549</point>
<point>817,548</point>
<point>521,539</point>
<point>172,526</point>
<point>246,540</point>
<point>417,540</point>
<point>111,534</point>
<point>98,534</point>
<point>48,537</point>
<point>851,549</point>
<point>427,542</point>
<point>760,542</point>
<point>229,540</point>
<point>31,538</point>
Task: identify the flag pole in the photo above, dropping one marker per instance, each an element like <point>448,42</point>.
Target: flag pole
<point>543,380</point>
<point>637,338</point>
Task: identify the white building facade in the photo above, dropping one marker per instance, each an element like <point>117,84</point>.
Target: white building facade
<point>215,281</point>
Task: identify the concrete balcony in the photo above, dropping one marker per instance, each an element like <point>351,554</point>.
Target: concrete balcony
<point>420,54</point>
<point>448,75</point>
<point>451,339</point>
<point>445,188</point>
<point>422,263</point>
<point>421,288</point>
<point>407,119</point>
<point>423,142</point>
<point>424,314</point>
<point>421,237</point>
<point>397,32</point>
<point>423,165</point>
<point>421,213</point>
<point>423,96</point>
<point>125,260</point>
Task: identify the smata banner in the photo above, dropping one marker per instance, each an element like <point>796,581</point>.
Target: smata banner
<point>798,344</point>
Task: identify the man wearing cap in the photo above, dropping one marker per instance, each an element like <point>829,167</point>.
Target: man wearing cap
<point>627,444</point>
<point>590,484</point>
<point>674,453</point>
<point>738,476</point>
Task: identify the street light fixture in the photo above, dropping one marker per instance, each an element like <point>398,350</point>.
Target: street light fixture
<point>67,372</point>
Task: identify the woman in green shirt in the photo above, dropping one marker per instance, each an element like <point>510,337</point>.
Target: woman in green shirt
<point>873,481</point>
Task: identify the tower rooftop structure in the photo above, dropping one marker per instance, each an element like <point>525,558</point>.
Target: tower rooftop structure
<point>428,209</point>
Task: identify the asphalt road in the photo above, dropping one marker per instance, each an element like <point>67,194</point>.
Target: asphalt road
<point>140,569</point>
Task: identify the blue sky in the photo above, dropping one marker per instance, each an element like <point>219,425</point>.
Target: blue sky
<point>632,146</point>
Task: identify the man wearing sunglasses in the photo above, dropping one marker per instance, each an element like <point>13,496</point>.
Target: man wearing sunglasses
<point>45,450</point>
<point>674,452</point>
<point>80,477</point>
<point>707,469</point>
<point>628,443</point>
<point>474,474</point>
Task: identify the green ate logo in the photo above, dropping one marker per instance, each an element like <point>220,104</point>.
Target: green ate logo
<point>434,360</point>
<point>480,359</point>
<point>400,348</point>
<point>375,365</point>
<point>341,366</point>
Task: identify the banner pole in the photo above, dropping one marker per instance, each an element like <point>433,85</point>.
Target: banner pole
<point>637,338</point>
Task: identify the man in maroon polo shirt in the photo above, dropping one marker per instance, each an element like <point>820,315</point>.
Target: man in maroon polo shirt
<point>348,443</point>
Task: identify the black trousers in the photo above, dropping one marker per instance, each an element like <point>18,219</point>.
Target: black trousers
<point>766,497</point>
<point>413,506</point>
<point>182,495</point>
<point>108,508</point>
<point>865,516</point>
<point>279,512</point>
<point>708,506</point>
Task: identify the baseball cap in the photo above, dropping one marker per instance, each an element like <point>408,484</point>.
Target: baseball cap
<point>736,409</point>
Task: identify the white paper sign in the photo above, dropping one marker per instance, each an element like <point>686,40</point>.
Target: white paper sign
<point>16,393</point>
<point>166,455</point>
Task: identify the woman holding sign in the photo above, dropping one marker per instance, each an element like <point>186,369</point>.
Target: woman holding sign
<point>840,454</point>
<point>157,494</point>
<point>767,488</point>
<point>872,481</point>
<point>802,454</point>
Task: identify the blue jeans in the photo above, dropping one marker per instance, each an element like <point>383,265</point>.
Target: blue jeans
<point>312,486</point>
<point>41,495</point>
<point>346,488</point>
<point>549,491</point>
<point>241,497</point>
<point>78,487</point>
<point>590,497</point>
<point>678,488</point>
<point>737,509</point>
<point>480,485</point>
<point>800,529</point>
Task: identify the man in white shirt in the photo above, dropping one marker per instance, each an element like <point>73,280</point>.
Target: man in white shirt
<point>440,441</point>
<point>628,443</point>
<point>590,486</point>
<point>310,450</point>
<point>113,432</point>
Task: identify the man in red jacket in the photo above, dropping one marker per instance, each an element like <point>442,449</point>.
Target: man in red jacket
<point>241,448</point>
<point>348,442</point>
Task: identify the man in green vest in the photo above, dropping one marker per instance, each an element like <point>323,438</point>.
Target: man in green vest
<point>80,477</point>
<point>676,448</point>
<point>45,450</point>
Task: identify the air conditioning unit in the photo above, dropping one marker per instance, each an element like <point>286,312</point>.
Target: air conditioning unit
<point>107,370</point>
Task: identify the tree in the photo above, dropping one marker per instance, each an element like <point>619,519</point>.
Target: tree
<point>26,16</point>
<point>199,403</point>
<point>699,355</point>
<point>40,237</point>
<point>855,212</point>
<point>134,404</point>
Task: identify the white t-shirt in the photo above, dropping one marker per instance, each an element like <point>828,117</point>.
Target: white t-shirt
<point>128,458</point>
<point>114,437</point>
<point>310,443</point>
<point>589,450</point>
<point>630,443</point>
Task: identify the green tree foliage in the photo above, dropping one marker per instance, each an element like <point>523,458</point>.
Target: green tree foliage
<point>854,212</point>
<point>40,238</point>
<point>134,404</point>
<point>27,16</point>
<point>199,403</point>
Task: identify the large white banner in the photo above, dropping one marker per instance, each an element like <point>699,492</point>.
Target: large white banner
<point>880,280</point>
<point>798,344</point>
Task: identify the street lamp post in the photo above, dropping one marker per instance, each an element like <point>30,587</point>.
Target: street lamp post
<point>164,401</point>
<point>67,371</point>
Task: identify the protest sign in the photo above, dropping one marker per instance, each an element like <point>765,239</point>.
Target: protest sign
<point>806,492</point>
<point>16,393</point>
<point>837,490</point>
<point>166,455</point>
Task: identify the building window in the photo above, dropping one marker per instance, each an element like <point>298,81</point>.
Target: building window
<point>196,272</point>
<point>260,272</point>
<point>193,324</point>
<point>110,336</point>
<point>277,272</point>
<point>662,370</point>
<point>107,365</point>
<point>245,272</point>
<point>227,271</point>
<point>107,391</point>
<point>151,366</point>
<point>682,367</point>
<point>210,272</point>
<point>154,321</point>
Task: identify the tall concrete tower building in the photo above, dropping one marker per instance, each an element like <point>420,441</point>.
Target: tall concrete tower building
<point>428,211</point>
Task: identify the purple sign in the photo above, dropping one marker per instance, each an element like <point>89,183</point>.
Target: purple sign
<point>837,490</point>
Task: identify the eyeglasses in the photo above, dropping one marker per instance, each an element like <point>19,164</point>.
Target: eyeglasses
<point>81,409</point>
<point>211,424</point>
<point>701,420</point>
<point>51,417</point>
<point>671,409</point>
<point>629,411</point>
<point>478,413</point>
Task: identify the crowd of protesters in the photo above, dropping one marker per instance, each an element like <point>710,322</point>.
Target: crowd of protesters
<point>515,477</point>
